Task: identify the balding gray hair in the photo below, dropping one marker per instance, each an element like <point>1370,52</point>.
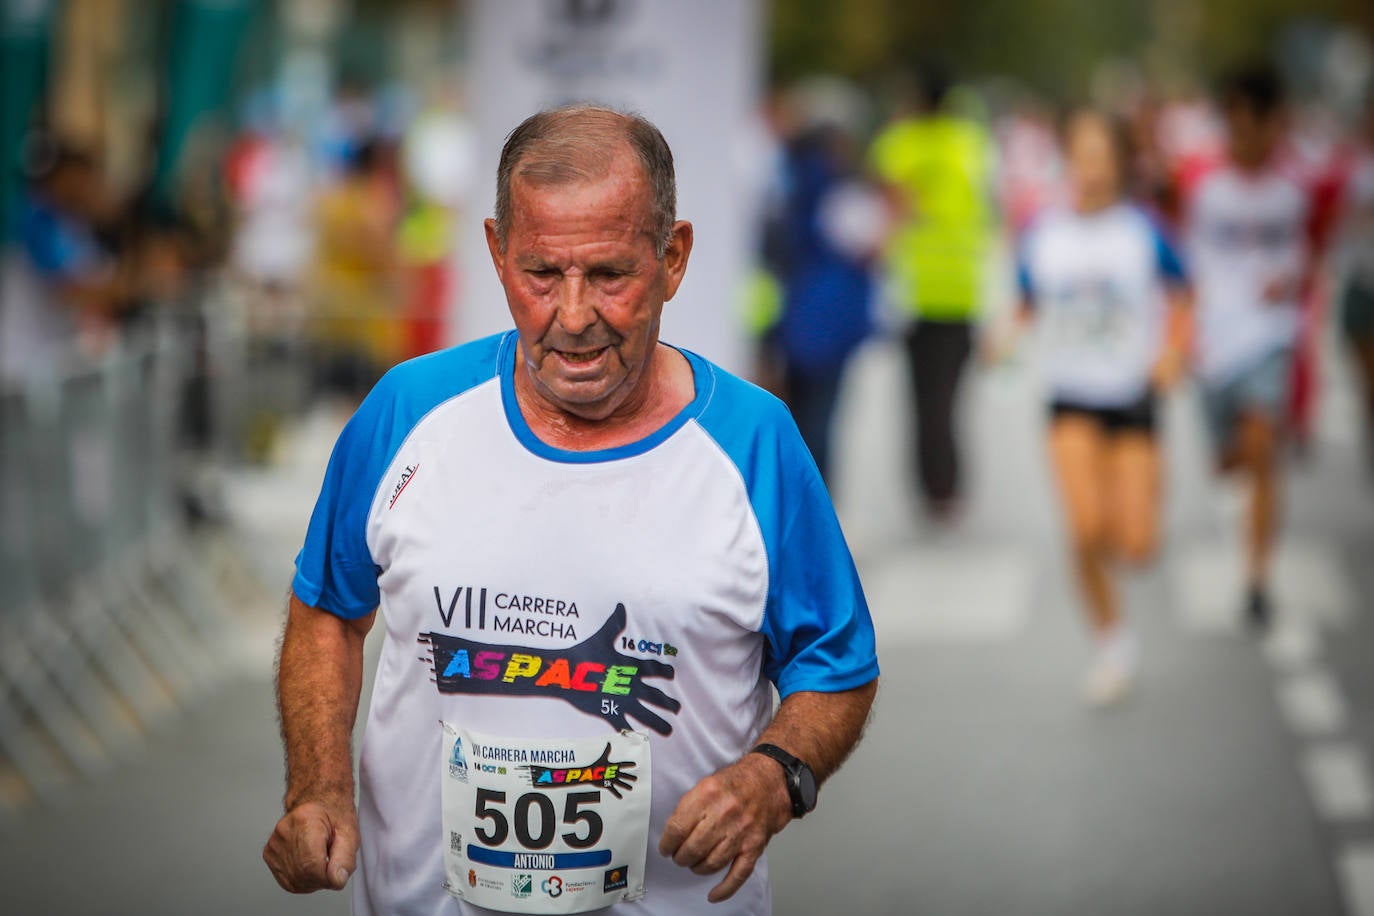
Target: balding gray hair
<point>578,143</point>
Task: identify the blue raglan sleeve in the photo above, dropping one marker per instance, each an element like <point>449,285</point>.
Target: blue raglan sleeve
<point>818,630</point>
<point>334,570</point>
<point>1025,279</point>
<point>1167,259</point>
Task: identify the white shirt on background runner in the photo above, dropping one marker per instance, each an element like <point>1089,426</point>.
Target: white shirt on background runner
<point>1097,282</point>
<point>705,559</point>
<point>1245,230</point>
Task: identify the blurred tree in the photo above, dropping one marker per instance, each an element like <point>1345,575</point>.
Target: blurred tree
<point>1053,46</point>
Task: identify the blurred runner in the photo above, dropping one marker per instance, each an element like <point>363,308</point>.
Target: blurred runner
<point>1029,167</point>
<point>1355,266</point>
<point>1247,240</point>
<point>832,230</point>
<point>1107,290</point>
<point>937,168</point>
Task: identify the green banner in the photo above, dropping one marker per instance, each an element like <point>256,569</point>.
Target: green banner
<point>202,52</point>
<point>24,37</point>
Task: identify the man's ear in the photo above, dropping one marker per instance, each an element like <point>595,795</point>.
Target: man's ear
<point>494,246</point>
<point>675,257</point>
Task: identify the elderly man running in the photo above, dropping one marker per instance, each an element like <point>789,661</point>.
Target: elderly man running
<point>596,555</point>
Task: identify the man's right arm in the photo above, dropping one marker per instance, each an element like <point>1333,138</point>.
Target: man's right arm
<point>319,681</point>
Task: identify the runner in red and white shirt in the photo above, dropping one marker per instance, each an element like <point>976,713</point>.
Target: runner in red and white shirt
<point>1249,249</point>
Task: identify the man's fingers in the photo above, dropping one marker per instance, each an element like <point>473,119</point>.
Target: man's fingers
<point>697,846</point>
<point>307,852</point>
<point>311,852</point>
<point>739,872</point>
<point>343,855</point>
<point>678,826</point>
<point>719,857</point>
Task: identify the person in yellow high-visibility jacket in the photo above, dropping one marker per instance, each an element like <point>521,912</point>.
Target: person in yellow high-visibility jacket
<point>936,166</point>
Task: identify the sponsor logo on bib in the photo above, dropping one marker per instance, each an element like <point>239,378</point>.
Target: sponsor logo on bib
<point>617,879</point>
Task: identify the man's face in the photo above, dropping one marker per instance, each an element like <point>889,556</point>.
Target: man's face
<point>585,288</point>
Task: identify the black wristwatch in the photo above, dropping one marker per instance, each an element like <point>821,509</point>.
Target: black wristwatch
<point>801,782</point>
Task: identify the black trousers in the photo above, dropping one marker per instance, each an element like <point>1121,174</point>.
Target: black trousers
<point>811,396</point>
<point>937,352</point>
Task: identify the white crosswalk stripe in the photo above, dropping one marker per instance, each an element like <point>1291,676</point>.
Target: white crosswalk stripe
<point>1309,584</point>
<point>1311,703</point>
<point>969,594</point>
<point>1355,868</point>
<point>1337,776</point>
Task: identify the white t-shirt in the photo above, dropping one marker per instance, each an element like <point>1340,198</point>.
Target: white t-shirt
<point>704,560</point>
<point>1096,282</point>
<point>1245,231</point>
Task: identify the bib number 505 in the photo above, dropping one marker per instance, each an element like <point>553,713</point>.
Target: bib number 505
<point>490,807</point>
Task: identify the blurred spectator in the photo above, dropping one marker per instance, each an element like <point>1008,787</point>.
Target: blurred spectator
<point>61,289</point>
<point>354,308</point>
<point>936,165</point>
<point>439,153</point>
<point>831,231</point>
<point>269,179</point>
<point>1355,265</point>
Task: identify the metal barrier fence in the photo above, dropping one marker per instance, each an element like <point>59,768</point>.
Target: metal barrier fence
<point>111,612</point>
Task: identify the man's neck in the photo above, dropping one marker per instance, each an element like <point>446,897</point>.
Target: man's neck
<point>668,388</point>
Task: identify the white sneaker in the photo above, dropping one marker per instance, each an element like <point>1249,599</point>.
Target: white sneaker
<point>1113,668</point>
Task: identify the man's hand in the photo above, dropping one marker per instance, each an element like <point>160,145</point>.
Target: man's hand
<point>319,676</point>
<point>313,847</point>
<point>728,819</point>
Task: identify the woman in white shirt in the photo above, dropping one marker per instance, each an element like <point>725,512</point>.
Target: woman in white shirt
<point>1107,293</point>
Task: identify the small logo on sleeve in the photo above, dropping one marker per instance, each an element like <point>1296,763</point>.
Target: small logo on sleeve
<point>406,476</point>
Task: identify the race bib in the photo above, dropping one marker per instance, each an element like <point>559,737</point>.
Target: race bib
<point>545,825</point>
<point>1089,322</point>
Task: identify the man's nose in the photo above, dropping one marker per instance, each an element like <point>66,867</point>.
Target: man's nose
<point>575,312</point>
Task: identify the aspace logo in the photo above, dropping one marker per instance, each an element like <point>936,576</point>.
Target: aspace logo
<point>602,773</point>
<point>552,885</point>
<point>591,675</point>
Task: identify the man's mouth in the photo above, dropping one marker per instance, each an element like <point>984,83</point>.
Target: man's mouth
<point>582,357</point>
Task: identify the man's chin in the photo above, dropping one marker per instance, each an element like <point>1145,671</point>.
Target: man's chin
<point>590,399</point>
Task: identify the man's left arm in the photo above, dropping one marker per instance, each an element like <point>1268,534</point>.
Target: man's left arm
<point>728,818</point>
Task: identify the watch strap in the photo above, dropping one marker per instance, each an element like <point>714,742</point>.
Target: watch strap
<point>791,766</point>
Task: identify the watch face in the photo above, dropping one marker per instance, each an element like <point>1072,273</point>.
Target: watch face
<point>806,782</point>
